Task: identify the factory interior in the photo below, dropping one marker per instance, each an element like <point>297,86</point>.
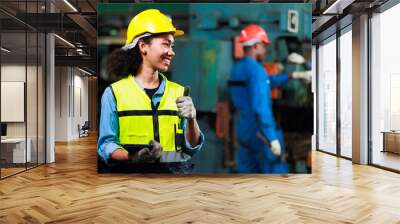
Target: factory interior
<point>204,59</point>
<point>341,130</point>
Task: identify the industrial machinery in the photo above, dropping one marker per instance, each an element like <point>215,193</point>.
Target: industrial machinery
<point>205,57</point>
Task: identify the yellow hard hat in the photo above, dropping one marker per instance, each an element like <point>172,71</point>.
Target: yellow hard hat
<point>150,21</point>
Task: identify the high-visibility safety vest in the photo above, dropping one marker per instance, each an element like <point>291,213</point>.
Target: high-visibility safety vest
<point>140,122</point>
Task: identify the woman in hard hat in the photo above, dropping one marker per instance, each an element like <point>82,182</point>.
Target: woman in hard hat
<point>146,122</point>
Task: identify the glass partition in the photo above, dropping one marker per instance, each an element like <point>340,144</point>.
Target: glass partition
<point>22,88</point>
<point>14,154</point>
<point>385,89</point>
<point>327,95</point>
<point>346,92</point>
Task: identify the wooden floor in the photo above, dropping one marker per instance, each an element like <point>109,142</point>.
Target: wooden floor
<point>5,172</point>
<point>71,191</point>
<point>10,171</point>
<point>387,159</point>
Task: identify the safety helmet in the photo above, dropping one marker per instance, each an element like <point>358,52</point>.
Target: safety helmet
<point>146,23</point>
<point>253,34</point>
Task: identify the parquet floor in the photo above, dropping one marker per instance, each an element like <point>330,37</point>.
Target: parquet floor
<point>71,191</point>
<point>10,171</point>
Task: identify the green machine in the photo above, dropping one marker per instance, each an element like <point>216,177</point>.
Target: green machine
<point>204,65</point>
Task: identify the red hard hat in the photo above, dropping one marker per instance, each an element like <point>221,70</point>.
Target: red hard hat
<point>253,34</point>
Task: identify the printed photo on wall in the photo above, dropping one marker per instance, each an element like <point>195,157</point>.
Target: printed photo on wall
<point>204,88</point>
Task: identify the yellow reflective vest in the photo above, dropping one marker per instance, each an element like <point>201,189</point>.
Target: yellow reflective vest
<point>140,121</point>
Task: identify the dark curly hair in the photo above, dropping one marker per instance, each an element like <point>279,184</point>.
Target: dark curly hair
<point>121,63</point>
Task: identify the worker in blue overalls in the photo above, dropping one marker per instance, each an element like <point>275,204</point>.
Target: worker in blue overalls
<point>260,140</point>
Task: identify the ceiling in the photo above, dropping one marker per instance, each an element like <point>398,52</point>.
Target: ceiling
<point>330,13</point>
<point>22,20</point>
<point>80,27</point>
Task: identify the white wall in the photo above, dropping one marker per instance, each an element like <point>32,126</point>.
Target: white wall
<point>61,103</point>
<point>81,83</point>
<point>34,124</point>
<point>71,93</point>
<point>12,73</point>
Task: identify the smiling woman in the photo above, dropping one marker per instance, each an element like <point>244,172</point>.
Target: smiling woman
<point>146,123</point>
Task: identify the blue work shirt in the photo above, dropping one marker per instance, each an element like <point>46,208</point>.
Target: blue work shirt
<point>253,101</point>
<point>109,128</point>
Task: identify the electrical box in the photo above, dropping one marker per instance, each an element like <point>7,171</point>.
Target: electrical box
<point>293,21</point>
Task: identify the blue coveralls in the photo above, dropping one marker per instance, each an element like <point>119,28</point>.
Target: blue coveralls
<point>253,105</point>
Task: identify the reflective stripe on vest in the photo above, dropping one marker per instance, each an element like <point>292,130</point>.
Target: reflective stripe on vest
<point>140,122</point>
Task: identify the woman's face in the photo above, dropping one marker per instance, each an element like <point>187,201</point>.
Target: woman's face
<point>159,52</point>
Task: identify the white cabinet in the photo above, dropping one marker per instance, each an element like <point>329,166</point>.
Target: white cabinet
<point>18,149</point>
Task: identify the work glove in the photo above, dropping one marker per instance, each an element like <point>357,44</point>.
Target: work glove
<point>306,75</point>
<point>157,149</point>
<point>186,107</point>
<point>147,155</point>
<point>275,147</point>
<point>296,58</point>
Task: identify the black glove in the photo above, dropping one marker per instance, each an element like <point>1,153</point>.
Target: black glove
<point>156,149</point>
<point>147,155</point>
